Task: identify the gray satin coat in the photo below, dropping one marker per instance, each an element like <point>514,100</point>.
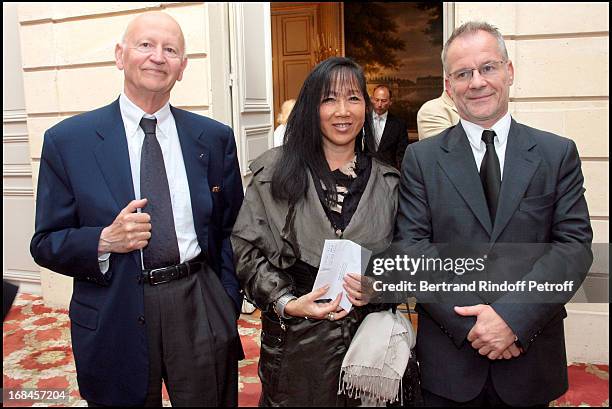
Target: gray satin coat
<point>300,366</point>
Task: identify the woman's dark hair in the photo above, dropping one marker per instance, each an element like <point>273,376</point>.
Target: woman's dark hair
<point>303,142</point>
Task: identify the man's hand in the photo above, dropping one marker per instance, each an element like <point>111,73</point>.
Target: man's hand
<point>130,231</point>
<point>491,336</point>
<point>513,351</point>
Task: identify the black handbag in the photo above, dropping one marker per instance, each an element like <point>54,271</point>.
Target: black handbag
<point>411,383</point>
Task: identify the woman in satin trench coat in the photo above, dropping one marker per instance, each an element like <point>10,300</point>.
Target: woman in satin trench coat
<point>278,243</point>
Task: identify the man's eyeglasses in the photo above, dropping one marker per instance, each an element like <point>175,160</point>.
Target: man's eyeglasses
<point>487,70</point>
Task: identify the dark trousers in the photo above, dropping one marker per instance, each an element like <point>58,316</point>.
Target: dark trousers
<point>488,397</point>
<point>193,342</point>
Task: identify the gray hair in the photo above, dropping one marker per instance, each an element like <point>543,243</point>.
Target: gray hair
<point>472,27</point>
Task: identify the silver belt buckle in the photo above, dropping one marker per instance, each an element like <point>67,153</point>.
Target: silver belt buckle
<point>151,278</point>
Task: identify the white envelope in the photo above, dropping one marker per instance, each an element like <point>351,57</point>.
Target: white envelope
<point>339,258</point>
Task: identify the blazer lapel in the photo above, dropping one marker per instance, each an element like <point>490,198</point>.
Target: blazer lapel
<point>457,161</point>
<point>113,157</point>
<point>196,154</point>
<point>389,124</point>
<point>520,165</point>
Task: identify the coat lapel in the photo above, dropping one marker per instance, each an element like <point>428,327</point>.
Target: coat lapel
<point>389,124</point>
<point>196,155</point>
<point>520,165</point>
<point>113,157</point>
<point>457,161</point>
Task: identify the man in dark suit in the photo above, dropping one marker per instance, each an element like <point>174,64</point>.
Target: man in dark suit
<point>492,180</point>
<point>136,201</point>
<point>390,132</point>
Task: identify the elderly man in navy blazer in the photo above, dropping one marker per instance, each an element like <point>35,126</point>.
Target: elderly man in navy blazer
<point>136,201</point>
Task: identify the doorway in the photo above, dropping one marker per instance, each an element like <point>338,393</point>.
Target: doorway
<point>303,34</point>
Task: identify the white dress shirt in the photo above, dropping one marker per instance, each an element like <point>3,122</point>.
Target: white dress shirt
<point>479,148</point>
<point>279,134</point>
<point>180,196</point>
<point>379,126</point>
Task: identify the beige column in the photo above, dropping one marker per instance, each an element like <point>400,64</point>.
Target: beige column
<point>17,185</point>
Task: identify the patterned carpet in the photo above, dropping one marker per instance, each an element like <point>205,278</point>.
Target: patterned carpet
<point>36,354</point>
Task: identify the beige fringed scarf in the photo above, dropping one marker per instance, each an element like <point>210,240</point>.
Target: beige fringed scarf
<point>375,362</point>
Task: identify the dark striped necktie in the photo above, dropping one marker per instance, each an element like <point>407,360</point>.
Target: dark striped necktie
<point>162,250</point>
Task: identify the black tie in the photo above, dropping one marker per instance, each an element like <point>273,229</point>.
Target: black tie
<point>490,173</point>
<point>162,250</point>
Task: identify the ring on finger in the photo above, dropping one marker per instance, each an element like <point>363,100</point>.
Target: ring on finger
<point>330,316</point>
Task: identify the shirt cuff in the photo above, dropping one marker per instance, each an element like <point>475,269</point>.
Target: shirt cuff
<point>104,262</point>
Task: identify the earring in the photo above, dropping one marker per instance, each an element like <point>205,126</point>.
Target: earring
<point>363,139</point>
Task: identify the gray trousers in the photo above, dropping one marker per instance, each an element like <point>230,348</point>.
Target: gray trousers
<point>193,341</point>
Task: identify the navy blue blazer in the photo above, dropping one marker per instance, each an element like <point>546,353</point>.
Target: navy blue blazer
<point>84,182</point>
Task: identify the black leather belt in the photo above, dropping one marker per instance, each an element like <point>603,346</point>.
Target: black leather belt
<point>165,274</point>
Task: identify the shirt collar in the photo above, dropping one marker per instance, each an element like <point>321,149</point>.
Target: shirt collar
<point>383,116</point>
<point>132,114</point>
<point>474,131</point>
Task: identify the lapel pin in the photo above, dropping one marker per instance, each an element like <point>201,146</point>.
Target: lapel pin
<point>201,156</point>
<point>216,189</point>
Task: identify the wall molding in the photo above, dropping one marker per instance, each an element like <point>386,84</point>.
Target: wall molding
<point>93,64</point>
<point>556,36</point>
<point>252,105</point>
<point>102,14</point>
<point>248,132</point>
<point>255,130</point>
<point>16,170</point>
<point>14,116</point>
<point>18,192</point>
<point>22,276</point>
<point>567,98</point>
<point>247,104</point>
<point>15,138</point>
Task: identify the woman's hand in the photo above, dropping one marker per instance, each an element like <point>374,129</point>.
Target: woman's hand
<point>306,307</point>
<point>355,291</point>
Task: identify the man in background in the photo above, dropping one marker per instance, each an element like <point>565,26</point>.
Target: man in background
<point>390,132</point>
<point>436,115</point>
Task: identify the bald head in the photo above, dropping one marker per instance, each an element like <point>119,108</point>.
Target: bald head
<point>153,19</point>
<point>152,57</point>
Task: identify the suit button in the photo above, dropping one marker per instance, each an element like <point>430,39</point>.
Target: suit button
<point>141,319</point>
